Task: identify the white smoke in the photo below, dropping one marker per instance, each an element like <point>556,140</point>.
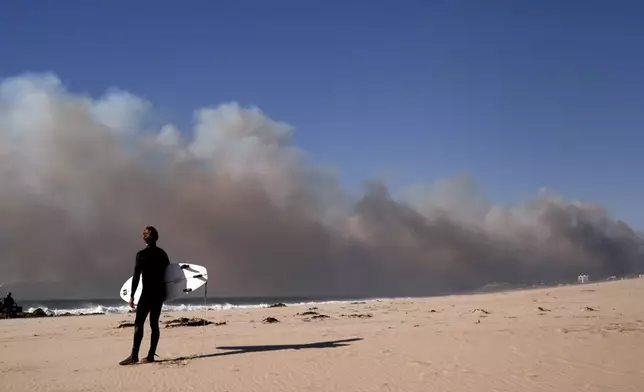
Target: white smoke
<point>81,177</point>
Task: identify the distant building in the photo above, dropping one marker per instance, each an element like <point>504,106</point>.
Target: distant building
<point>582,279</point>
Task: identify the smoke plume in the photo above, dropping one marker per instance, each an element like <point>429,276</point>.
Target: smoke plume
<point>80,178</point>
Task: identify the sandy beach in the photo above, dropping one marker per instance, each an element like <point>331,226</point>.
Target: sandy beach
<point>586,337</point>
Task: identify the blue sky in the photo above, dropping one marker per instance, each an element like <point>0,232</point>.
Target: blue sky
<point>521,94</point>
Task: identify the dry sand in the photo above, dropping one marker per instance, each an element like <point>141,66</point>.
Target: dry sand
<point>435,344</point>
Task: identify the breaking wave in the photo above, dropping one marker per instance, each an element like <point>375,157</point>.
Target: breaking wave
<point>95,309</point>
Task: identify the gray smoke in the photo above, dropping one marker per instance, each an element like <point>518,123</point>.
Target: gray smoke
<point>80,178</point>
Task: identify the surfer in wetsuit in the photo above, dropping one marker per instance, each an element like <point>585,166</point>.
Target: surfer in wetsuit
<point>151,263</point>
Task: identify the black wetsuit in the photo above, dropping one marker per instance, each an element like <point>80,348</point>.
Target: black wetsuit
<point>151,263</point>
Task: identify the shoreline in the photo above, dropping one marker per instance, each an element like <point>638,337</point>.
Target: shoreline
<point>174,305</point>
<point>456,297</point>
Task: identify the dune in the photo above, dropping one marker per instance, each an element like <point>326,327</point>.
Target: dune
<point>586,337</point>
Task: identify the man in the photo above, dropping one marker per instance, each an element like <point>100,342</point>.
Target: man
<point>151,262</point>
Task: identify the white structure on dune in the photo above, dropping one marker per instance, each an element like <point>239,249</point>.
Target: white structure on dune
<point>582,279</point>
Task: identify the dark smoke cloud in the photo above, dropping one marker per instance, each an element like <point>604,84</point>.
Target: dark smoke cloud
<point>80,178</point>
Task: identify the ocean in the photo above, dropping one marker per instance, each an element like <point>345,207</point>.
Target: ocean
<point>77,307</point>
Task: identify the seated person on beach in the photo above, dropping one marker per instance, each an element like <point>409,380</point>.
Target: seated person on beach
<point>8,304</point>
<point>8,301</point>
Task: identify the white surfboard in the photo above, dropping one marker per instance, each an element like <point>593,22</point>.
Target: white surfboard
<point>180,279</point>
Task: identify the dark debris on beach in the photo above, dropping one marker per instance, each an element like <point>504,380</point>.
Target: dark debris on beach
<point>308,313</point>
<point>34,314</point>
<point>314,315</point>
<point>320,316</point>
<point>189,322</point>
<point>357,315</point>
<point>270,320</point>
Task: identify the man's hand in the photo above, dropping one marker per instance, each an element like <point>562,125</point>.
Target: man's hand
<point>132,302</point>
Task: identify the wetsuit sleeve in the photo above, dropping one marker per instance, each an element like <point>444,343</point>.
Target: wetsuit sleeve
<point>137,274</point>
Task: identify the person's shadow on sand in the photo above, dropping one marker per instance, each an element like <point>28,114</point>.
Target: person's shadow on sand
<point>255,349</point>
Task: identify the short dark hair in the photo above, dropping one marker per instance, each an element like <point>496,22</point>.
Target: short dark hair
<point>154,234</point>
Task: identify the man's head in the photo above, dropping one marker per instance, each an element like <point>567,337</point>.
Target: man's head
<point>150,235</point>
